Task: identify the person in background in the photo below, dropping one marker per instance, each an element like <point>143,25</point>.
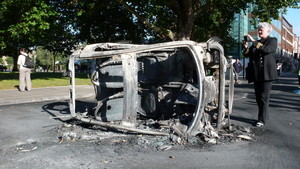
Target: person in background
<point>278,67</point>
<point>262,57</point>
<point>237,69</point>
<point>24,74</point>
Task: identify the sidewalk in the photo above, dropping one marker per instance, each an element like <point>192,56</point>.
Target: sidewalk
<point>8,97</point>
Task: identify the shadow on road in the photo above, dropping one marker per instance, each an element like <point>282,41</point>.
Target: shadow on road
<point>60,110</point>
<point>242,119</point>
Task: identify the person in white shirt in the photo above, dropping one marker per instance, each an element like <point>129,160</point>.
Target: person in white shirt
<point>24,72</point>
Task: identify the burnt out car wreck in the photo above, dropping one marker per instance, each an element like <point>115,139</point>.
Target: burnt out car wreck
<point>173,87</point>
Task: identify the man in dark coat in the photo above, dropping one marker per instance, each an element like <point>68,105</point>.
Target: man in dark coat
<point>263,71</point>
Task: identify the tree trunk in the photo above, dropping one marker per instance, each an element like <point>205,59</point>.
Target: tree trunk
<point>15,67</point>
<point>54,63</point>
<point>185,27</point>
<point>185,18</point>
<point>15,54</point>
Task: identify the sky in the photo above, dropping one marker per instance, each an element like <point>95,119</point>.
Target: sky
<point>292,17</point>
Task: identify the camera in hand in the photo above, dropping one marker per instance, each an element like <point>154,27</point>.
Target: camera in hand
<point>246,38</point>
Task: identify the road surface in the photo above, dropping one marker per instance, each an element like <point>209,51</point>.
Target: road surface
<point>29,139</point>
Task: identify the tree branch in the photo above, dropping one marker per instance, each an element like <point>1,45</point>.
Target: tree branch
<point>169,33</point>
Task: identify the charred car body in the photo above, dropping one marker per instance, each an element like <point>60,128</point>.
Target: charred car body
<point>178,85</point>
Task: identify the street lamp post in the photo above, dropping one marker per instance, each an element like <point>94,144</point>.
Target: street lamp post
<point>239,36</point>
<point>239,45</point>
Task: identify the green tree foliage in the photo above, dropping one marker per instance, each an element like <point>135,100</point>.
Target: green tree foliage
<point>1,61</point>
<point>48,59</point>
<point>59,25</point>
<point>199,19</point>
<point>269,10</point>
<point>94,21</point>
<point>24,23</point>
<point>44,58</point>
<point>10,62</point>
<point>6,61</point>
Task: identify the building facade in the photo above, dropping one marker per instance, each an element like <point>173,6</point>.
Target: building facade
<point>239,29</point>
<point>287,38</point>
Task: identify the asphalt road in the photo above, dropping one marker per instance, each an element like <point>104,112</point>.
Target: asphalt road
<point>28,139</point>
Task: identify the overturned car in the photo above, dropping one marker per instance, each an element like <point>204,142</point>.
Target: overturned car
<point>176,87</point>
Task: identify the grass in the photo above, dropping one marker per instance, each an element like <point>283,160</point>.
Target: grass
<point>10,80</point>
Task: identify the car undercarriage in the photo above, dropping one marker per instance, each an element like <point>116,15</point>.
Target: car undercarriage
<point>173,87</point>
